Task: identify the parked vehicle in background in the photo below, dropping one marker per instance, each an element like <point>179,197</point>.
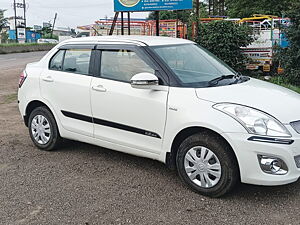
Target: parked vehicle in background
<point>268,33</point>
<point>166,99</point>
<point>50,41</point>
<point>64,38</point>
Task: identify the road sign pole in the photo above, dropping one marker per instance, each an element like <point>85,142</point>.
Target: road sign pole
<point>128,17</point>
<point>122,23</point>
<point>157,22</point>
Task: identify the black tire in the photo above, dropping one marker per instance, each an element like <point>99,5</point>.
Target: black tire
<point>55,138</point>
<point>229,167</point>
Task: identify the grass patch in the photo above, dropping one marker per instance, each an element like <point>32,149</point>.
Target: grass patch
<point>25,44</point>
<point>7,99</point>
<point>282,82</point>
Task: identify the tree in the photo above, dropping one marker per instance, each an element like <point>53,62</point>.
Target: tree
<point>3,20</point>
<point>186,16</point>
<point>246,8</point>
<point>183,15</point>
<point>172,15</point>
<point>225,39</point>
<point>289,57</point>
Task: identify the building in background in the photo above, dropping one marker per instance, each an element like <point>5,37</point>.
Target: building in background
<point>170,28</point>
<point>31,36</point>
<point>64,31</point>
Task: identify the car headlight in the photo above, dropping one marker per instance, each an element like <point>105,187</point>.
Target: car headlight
<point>255,121</point>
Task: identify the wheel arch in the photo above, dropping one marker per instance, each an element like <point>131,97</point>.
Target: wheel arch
<point>31,106</point>
<point>182,135</point>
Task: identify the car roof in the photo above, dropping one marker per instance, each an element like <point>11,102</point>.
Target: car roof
<point>137,40</point>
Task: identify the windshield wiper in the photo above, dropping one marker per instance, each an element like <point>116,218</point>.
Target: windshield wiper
<point>240,78</point>
<point>215,82</point>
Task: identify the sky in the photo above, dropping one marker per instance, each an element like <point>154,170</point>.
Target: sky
<point>71,13</point>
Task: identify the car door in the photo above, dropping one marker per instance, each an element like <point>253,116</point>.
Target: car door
<point>124,115</point>
<point>66,86</point>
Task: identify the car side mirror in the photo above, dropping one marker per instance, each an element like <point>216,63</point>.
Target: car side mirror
<point>144,81</point>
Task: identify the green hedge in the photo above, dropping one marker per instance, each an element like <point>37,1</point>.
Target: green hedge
<point>25,44</point>
<point>28,47</point>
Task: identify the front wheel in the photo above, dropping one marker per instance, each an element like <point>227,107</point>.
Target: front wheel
<point>43,129</point>
<point>206,163</point>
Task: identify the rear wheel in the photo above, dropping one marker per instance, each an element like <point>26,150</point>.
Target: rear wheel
<point>206,163</point>
<point>43,129</point>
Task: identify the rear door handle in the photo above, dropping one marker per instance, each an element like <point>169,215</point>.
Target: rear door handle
<point>99,88</point>
<point>48,79</point>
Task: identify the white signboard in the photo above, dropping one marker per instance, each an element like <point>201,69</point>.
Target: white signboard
<point>21,33</point>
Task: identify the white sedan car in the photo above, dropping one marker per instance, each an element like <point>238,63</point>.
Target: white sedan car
<point>169,100</point>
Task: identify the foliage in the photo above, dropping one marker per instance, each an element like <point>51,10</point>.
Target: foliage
<point>3,20</point>
<point>183,15</point>
<point>246,8</point>
<point>225,39</point>
<point>171,15</point>
<point>289,57</point>
<point>46,31</point>
<point>4,37</point>
<point>49,36</point>
<point>282,81</point>
<point>186,16</point>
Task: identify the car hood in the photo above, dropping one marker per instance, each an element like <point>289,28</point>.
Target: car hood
<point>279,102</point>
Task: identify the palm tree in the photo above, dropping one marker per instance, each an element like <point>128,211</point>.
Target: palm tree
<point>3,20</point>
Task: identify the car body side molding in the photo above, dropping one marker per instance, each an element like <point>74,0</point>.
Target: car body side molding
<point>110,124</point>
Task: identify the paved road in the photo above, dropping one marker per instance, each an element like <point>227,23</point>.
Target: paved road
<point>11,65</point>
<point>84,184</point>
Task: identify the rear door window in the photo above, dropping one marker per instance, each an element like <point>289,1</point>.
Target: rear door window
<point>77,61</point>
<point>57,61</point>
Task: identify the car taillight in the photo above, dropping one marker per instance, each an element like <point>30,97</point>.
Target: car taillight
<point>23,76</point>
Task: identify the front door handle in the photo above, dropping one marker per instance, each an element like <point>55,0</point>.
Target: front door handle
<point>48,79</point>
<point>99,88</point>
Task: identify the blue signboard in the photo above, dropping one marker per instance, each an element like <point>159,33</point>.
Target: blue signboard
<point>151,5</point>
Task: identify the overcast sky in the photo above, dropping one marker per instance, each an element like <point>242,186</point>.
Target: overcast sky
<point>71,13</point>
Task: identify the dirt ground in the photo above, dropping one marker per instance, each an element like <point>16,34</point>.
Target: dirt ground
<point>84,184</point>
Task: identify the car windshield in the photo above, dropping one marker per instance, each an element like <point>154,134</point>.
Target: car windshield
<point>193,65</point>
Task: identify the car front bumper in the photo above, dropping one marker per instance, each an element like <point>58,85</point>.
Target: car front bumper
<point>247,152</point>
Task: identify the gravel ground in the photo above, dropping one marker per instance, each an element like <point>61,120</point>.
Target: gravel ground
<point>85,184</point>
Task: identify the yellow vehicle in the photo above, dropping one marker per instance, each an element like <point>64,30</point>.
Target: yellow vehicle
<point>258,18</point>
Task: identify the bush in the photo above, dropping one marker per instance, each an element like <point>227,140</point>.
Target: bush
<point>225,39</point>
<point>49,36</point>
<point>289,58</point>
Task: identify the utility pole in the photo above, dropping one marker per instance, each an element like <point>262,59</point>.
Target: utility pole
<point>53,24</point>
<point>16,30</point>
<point>24,6</point>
